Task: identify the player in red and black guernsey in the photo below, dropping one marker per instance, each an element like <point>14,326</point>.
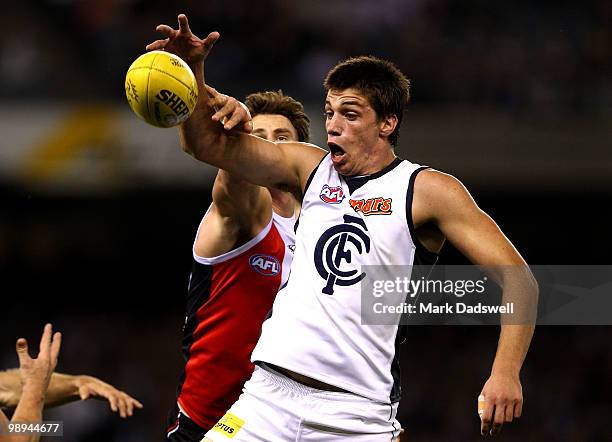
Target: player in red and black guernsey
<point>241,257</point>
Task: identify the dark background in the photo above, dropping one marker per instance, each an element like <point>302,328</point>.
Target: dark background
<point>110,269</point>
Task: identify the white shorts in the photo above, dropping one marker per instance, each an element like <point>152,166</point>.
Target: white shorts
<point>274,408</point>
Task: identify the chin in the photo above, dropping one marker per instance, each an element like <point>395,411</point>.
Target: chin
<point>342,169</point>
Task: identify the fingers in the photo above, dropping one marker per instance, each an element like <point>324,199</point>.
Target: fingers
<point>125,403</point>
<point>247,124</point>
<point>121,404</point>
<point>113,402</point>
<point>55,348</point>
<point>84,393</point>
<point>518,409</point>
<point>183,24</point>
<point>498,420</point>
<point>486,418</point>
<point>216,99</point>
<point>166,30</point>
<point>129,404</point>
<point>210,40</point>
<point>136,403</point>
<point>226,111</point>
<point>45,342</point>
<point>22,352</point>
<point>237,117</point>
<point>494,414</point>
<point>223,107</point>
<point>119,401</point>
<point>509,413</point>
<point>229,111</point>
<point>157,45</point>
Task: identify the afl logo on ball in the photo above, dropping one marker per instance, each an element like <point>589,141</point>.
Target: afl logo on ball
<point>331,195</point>
<point>265,264</point>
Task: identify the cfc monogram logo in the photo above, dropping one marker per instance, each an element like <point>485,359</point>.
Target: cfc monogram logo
<point>336,245</point>
<point>372,206</point>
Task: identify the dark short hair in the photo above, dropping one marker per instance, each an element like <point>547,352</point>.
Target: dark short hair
<point>380,81</point>
<point>271,102</point>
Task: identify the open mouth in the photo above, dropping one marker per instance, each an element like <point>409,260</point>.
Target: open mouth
<point>336,151</point>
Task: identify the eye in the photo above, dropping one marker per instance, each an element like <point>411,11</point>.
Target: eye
<point>282,138</point>
<point>328,114</point>
<point>351,116</point>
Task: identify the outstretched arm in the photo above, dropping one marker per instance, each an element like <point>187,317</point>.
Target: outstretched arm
<point>64,388</point>
<point>442,200</point>
<point>281,165</point>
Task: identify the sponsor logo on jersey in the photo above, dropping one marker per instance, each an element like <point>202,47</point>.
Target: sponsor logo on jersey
<point>372,206</point>
<point>337,244</point>
<point>229,425</point>
<point>331,195</point>
<point>291,247</point>
<point>265,264</point>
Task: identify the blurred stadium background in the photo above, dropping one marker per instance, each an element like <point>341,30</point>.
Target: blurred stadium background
<point>99,210</point>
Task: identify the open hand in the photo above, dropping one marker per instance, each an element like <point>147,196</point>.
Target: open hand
<point>36,373</point>
<point>91,387</point>
<point>183,42</point>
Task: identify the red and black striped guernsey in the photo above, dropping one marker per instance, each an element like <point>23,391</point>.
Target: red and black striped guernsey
<point>228,300</point>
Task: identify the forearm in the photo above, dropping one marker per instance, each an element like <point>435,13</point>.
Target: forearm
<point>29,408</point>
<point>514,341</point>
<point>62,389</point>
<point>206,141</point>
<point>519,288</point>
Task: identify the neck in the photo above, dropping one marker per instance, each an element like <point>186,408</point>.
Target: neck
<point>386,157</point>
<point>283,203</point>
<point>377,159</point>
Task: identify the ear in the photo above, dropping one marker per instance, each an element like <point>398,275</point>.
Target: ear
<point>387,125</point>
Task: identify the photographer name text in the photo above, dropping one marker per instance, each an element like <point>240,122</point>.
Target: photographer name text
<point>444,309</point>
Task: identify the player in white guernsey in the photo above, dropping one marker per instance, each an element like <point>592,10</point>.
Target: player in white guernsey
<point>323,376</point>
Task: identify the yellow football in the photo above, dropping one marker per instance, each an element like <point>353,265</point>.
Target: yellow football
<point>161,89</point>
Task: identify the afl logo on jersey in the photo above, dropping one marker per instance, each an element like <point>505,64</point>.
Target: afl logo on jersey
<point>337,244</point>
<point>331,195</point>
<point>265,264</point>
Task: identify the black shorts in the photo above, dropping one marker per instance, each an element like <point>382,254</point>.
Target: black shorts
<point>180,428</point>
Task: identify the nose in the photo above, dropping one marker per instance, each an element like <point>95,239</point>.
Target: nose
<point>333,126</point>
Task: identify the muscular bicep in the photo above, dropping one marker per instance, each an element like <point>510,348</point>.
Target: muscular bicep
<point>245,203</point>
<point>282,165</point>
<point>447,203</point>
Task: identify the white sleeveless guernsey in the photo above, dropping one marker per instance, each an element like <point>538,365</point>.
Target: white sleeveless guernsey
<point>315,328</point>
